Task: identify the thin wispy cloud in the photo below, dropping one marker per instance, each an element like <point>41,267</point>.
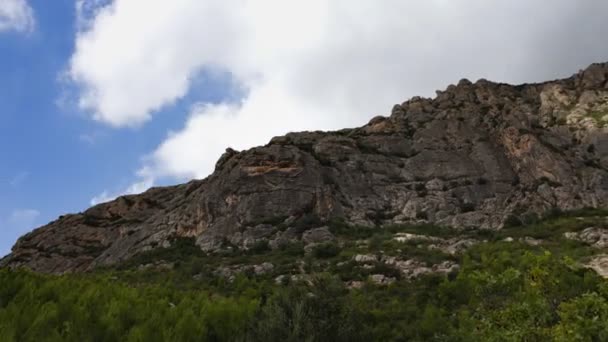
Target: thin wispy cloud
<point>16,15</point>
<point>23,216</point>
<point>19,178</point>
<point>91,137</point>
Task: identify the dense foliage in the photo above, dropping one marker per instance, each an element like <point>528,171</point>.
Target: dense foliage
<point>504,291</point>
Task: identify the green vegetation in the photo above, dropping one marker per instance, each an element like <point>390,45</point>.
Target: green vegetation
<point>598,116</point>
<point>97,308</point>
<point>504,291</point>
<point>326,250</point>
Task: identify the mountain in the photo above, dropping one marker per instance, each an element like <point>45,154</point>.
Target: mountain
<point>478,155</point>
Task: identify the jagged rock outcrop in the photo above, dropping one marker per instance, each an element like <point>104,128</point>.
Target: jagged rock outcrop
<point>475,155</point>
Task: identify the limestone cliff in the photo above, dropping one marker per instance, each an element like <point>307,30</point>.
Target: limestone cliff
<point>476,155</point>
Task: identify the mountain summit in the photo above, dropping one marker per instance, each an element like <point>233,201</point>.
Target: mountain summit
<point>477,155</point>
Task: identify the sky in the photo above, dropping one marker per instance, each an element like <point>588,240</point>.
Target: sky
<point>100,98</point>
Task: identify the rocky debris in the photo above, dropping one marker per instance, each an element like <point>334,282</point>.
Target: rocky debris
<point>280,280</point>
<point>407,237</point>
<point>365,258</point>
<point>531,241</point>
<point>314,237</point>
<point>454,246</point>
<point>263,268</point>
<point>317,235</point>
<point>230,272</point>
<point>473,156</point>
<point>410,268</point>
<point>290,235</point>
<point>355,284</point>
<point>451,246</point>
<point>413,268</point>
<point>362,243</point>
<point>593,236</point>
<point>381,279</point>
<point>284,279</point>
<point>600,265</point>
<point>526,239</point>
<point>252,236</point>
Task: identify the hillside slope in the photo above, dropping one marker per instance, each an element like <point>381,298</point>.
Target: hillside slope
<point>476,155</point>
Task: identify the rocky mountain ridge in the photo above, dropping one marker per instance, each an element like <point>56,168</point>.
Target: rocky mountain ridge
<point>477,155</point>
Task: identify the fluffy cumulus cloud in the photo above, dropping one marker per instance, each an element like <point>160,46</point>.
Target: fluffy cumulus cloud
<point>313,64</point>
<point>16,15</point>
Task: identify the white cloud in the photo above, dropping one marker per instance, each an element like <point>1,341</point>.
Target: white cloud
<point>134,188</point>
<point>193,151</point>
<point>312,64</point>
<point>16,15</point>
<point>86,10</point>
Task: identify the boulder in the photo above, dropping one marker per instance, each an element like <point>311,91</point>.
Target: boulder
<point>365,258</point>
<point>381,279</point>
<point>263,268</point>
<point>317,235</point>
<point>593,236</point>
<point>600,265</point>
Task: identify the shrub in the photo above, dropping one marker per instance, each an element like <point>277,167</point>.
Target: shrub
<point>340,228</point>
<point>387,270</point>
<point>326,250</point>
<point>376,241</point>
<point>260,246</point>
<point>293,248</point>
<point>320,312</point>
<point>502,291</point>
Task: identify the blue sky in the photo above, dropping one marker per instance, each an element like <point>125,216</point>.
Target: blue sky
<point>54,157</point>
<point>100,98</point>
<point>39,143</point>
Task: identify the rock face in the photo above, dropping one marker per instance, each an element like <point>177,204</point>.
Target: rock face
<point>475,155</point>
<point>595,237</point>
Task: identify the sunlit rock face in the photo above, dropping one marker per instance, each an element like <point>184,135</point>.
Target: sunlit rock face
<point>474,156</point>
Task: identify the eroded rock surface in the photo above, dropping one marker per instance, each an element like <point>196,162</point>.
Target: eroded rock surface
<point>600,265</point>
<point>475,155</point>
<point>595,237</point>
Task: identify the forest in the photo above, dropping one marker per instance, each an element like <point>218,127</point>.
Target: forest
<point>503,291</point>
